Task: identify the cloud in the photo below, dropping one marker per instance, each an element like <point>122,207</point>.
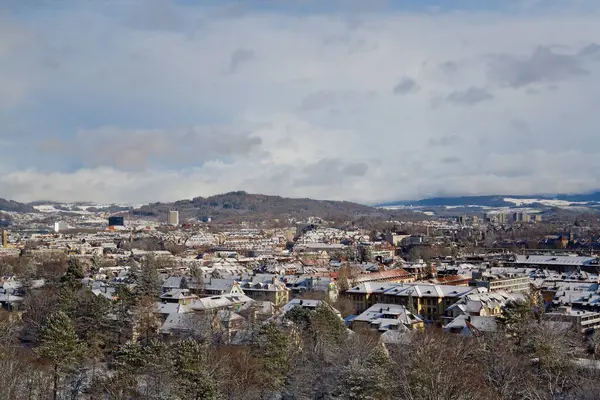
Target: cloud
<point>406,85</point>
<point>330,172</point>
<point>140,149</point>
<point>544,65</point>
<point>470,96</point>
<point>445,141</point>
<point>239,57</point>
<point>140,101</point>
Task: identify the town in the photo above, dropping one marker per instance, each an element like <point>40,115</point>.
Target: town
<point>114,304</point>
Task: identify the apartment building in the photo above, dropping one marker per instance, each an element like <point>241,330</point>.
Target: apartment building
<point>428,301</point>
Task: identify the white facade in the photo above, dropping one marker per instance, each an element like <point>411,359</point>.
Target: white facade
<point>60,226</point>
<point>173,218</point>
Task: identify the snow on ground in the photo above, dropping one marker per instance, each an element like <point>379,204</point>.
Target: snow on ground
<point>546,202</point>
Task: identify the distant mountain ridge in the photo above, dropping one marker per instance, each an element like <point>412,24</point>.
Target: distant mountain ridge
<point>243,205</point>
<point>15,206</point>
<point>492,200</point>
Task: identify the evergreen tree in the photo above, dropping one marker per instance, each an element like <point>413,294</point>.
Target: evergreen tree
<point>122,310</point>
<point>271,347</point>
<point>148,282</point>
<point>367,380</point>
<point>60,345</point>
<point>328,329</point>
<point>194,377</point>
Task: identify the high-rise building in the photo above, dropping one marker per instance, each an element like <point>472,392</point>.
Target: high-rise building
<point>502,218</point>
<point>60,226</point>
<point>173,217</point>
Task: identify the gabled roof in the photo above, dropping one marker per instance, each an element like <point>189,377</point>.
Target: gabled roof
<point>388,315</point>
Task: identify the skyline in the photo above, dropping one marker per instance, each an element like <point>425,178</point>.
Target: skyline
<point>136,101</point>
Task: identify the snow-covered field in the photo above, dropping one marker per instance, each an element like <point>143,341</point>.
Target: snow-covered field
<point>546,202</point>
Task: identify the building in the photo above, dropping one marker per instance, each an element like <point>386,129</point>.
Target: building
<point>60,226</point>
<point>521,217</point>
<point>584,321</point>
<point>384,317</point>
<point>116,221</point>
<point>310,305</point>
<point>490,304</point>
<point>426,300</point>
<point>275,291</point>
<point>510,282</point>
<point>173,218</point>
<point>395,239</point>
<point>556,263</point>
<point>502,219</point>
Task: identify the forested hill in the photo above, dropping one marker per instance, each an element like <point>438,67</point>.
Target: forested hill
<point>14,206</point>
<point>235,204</point>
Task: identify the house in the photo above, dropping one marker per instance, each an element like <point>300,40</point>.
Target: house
<point>220,286</point>
<point>274,291</point>
<point>384,317</point>
<point>308,305</point>
<point>179,296</point>
<point>223,302</point>
<point>488,304</point>
<point>469,326</point>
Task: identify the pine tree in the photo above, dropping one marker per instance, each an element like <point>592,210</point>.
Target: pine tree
<point>194,377</point>
<point>60,345</point>
<point>148,282</point>
<point>271,347</point>
<point>327,327</point>
<point>368,380</point>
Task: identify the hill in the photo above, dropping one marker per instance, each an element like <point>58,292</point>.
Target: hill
<point>14,206</point>
<point>493,200</point>
<point>242,204</point>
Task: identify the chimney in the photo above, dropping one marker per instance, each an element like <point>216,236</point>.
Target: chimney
<point>4,238</point>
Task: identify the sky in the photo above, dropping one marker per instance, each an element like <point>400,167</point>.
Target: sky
<point>132,101</point>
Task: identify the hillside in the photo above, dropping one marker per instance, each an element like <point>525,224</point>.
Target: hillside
<point>14,206</point>
<point>494,200</point>
<point>242,204</point>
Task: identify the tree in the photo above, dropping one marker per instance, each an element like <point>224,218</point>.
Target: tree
<point>327,328</point>
<point>366,380</point>
<point>195,376</point>
<point>122,309</point>
<point>60,345</point>
<point>197,276</point>
<point>148,282</point>
<point>271,347</point>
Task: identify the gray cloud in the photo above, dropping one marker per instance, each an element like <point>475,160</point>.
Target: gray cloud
<point>406,85</point>
<point>319,100</point>
<point>139,149</point>
<point>445,141</point>
<point>330,171</point>
<point>470,96</point>
<point>239,57</point>
<point>451,160</point>
<point>592,49</point>
<point>449,67</point>
<point>544,65</point>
